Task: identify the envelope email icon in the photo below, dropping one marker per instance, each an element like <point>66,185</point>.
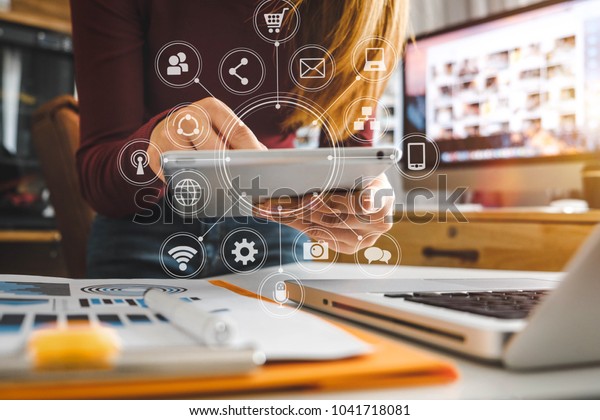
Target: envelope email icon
<point>312,68</point>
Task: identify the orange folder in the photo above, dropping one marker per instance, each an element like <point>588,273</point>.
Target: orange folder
<point>391,364</point>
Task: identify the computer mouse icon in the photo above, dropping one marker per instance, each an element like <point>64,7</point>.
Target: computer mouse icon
<point>280,294</point>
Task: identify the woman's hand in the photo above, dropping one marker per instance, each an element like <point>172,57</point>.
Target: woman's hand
<point>356,220</point>
<point>225,131</point>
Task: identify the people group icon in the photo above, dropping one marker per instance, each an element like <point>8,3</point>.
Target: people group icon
<point>177,64</point>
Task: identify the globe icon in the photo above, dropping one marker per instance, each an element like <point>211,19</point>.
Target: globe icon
<point>187,192</point>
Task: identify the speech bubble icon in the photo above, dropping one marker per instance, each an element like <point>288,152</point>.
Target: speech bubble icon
<point>387,256</point>
<point>373,254</point>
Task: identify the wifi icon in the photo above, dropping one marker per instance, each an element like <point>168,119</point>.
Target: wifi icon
<point>183,255</point>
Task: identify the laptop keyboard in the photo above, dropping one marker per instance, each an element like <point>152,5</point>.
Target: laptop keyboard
<point>510,304</point>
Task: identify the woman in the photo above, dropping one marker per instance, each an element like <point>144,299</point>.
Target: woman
<point>122,99</point>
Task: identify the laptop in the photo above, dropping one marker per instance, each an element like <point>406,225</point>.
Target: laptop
<point>524,323</point>
<point>375,59</point>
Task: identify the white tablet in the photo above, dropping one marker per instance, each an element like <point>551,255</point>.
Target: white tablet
<point>231,182</point>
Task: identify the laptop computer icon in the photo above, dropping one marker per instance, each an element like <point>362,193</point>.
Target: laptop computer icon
<point>524,323</point>
<point>375,60</point>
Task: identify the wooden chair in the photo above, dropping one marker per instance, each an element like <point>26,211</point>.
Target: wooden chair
<point>55,133</point>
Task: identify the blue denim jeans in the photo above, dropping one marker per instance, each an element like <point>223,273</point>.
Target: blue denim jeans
<point>120,248</point>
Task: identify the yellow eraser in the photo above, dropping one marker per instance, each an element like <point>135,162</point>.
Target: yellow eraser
<point>75,346</point>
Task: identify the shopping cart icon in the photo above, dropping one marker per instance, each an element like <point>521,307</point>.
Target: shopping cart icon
<point>274,20</point>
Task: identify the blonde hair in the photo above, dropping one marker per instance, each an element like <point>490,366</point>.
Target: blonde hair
<point>340,26</point>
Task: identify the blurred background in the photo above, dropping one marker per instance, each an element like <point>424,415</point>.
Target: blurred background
<point>515,118</point>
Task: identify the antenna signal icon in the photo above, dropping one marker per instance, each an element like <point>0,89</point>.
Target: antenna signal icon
<point>140,160</point>
<point>183,255</point>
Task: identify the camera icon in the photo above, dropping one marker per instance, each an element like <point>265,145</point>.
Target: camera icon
<point>316,250</point>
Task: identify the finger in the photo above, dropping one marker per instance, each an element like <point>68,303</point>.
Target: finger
<point>274,215</point>
<point>211,141</point>
<point>232,130</point>
<point>323,215</point>
<point>370,221</point>
<point>376,195</point>
<point>382,206</point>
<point>345,241</point>
<point>337,202</point>
<point>354,202</point>
<point>282,209</point>
<point>284,203</point>
<point>299,225</point>
<point>311,229</point>
<point>336,239</point>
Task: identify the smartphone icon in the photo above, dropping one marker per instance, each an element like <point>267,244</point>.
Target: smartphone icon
<point>416,156</point>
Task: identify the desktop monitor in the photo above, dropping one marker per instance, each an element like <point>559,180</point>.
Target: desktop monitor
<point>512,102</point>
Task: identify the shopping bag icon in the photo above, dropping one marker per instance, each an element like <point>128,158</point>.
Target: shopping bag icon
<point>312,68</point>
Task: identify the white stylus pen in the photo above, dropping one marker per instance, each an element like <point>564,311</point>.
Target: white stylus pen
<point>210,329</point>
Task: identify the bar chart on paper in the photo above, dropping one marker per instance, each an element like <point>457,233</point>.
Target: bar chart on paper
<point>34,288</point>
<point>31,303</point>
<point>97,302</point>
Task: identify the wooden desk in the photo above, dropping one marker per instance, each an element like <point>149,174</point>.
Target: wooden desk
<point>509,240</point>
<point>29,236</point>
<point>53,15</point>
<point>492,239</point>
<point>35,252</point>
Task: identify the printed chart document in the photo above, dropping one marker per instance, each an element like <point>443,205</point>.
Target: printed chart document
<point>310,353</point>
<point>28,302</point>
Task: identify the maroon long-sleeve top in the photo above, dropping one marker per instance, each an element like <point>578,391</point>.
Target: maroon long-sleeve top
<point>121,96</point>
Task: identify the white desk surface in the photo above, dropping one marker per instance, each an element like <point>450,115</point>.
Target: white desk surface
<point>477,380</point>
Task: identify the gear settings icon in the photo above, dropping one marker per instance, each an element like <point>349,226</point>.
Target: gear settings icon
<point>244,252</point>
